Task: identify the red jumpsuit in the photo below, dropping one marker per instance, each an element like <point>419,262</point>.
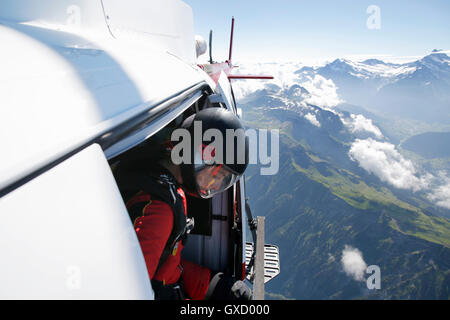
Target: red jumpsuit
<point>153,229</point>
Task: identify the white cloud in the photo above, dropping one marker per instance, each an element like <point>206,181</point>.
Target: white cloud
<point>441,194</point>
<point>359,123</point>
<point>353,263</point>
<point>283,73</point>
<point>323,91</point>
<point>312,118</point>
<point>243,88</point>
<point>384,161</point>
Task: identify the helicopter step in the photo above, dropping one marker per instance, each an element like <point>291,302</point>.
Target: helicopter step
<point>271,261</point>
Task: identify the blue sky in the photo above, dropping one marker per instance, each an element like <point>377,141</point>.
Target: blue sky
<point>298,30</point>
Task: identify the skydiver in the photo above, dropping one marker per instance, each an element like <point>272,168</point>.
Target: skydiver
<point>155,198</point>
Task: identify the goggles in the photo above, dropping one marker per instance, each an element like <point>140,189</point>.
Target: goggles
<point>213,179</point>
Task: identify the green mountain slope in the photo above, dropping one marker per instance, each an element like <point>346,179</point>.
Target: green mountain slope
<point>312,217</point>
<point>320,202</point>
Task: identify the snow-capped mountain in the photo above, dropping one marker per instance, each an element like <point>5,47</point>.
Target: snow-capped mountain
<point>423,94</point>
<point>418,90</point>
<point>367,69</point>
<point>436,63</point>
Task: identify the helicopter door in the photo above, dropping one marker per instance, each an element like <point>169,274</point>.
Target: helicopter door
<point>66,234</point>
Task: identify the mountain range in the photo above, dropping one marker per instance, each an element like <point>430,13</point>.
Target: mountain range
<point>418,90</point>
<point>357,184</point>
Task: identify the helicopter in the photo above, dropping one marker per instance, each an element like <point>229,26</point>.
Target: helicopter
<point>83,84</point>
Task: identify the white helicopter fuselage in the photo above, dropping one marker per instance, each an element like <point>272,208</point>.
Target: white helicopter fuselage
<point>81,82</point>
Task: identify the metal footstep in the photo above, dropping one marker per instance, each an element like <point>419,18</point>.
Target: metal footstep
<point>271,261</point>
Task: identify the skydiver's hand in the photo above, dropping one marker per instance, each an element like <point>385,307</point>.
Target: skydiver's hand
<point>240,291</point>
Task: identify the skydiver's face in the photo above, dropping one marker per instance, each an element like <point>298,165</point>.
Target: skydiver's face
<point>212,179</point>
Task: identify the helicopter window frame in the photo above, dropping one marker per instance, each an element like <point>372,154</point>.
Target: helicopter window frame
<point>147,123</point>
